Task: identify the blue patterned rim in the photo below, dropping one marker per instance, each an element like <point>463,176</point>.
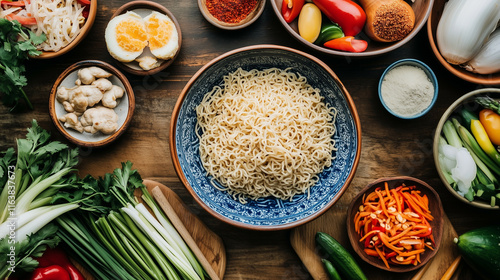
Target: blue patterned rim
<point>266,213</point>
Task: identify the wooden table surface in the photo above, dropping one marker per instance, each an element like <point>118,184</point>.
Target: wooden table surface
<point>390,146</point>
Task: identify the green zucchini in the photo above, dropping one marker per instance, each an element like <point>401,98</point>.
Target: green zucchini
<point>340,257</point>
<point>332,273</point>
<point>467,116</point>
<point>480,248</point>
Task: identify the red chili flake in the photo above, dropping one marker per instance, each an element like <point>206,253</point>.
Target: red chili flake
<point>231,11</point>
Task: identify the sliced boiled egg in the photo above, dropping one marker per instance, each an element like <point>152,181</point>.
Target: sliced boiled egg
<point>126,36</point>
<point>162,35</point>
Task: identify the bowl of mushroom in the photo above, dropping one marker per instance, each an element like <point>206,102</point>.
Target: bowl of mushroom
<point>91,103</point>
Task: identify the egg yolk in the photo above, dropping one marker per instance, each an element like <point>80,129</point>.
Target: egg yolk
<point>159,32</point>
<point>131,35</point>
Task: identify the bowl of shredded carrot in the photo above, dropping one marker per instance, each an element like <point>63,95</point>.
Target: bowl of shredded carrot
<point>396,224</point>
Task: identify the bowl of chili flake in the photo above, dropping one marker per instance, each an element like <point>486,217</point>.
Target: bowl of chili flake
<point>231,14</point>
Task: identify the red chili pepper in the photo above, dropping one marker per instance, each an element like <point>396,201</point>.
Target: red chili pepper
<point>348,44</point>
<point>390,255</point>
<point>13,3</point>
<point>53,272</point>
<point>22,20</point>
<point>290,9</point>
<point>84,2</point>
<point>381,229</point>
<point>347,14</point>
<point>425,234</point>
<point>54,256</point>
<point>86,11</point>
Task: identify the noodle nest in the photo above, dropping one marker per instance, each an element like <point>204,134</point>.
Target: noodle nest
<point>265,133</point>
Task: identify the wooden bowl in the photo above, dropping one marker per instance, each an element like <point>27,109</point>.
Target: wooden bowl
<point>421,9</point>
<point>124,109</point>
<point>432,23</point>
<point>251,18</point>
<point>144,8</point>
<point>436,224</point>
<point>464,100</point>
<point>83,32</point>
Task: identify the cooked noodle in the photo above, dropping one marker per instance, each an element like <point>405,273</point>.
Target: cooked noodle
<point>265,133</point>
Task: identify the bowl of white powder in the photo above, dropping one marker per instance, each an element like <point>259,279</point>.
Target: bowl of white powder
<point>408,88</point>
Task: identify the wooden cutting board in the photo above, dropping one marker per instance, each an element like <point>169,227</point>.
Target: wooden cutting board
<point>333,222</point>
<point>210,244</point>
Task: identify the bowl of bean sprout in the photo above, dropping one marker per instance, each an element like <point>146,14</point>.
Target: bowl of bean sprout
<point>64,23</point>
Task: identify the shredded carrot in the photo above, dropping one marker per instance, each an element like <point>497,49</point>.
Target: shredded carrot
<point>382,257</point>
<point>393,223</point>
<point>368,234</point>
<point>406,254</point>
<point>387,192</point>
<point>403,233</point>
<point>371,252</point>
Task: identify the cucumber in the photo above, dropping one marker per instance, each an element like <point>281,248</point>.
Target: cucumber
<point>480,248</point>
<point>332,273</point>
<point>340,257</point>
<point>467,116</point>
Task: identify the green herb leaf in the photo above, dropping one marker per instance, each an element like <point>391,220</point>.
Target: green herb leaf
<point>13,55</point>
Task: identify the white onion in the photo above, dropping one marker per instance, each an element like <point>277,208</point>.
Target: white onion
<point>464,27</point>
<point>487,61</point>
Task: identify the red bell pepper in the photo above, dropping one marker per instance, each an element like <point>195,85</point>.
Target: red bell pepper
<point>290,9</point>
<point>22,20</point>
<point>54,256</point>
<point>347,14</point>
<point>84,2</point>
<point>348,44</point>
<point>425,234</point>
<point>53,272</point>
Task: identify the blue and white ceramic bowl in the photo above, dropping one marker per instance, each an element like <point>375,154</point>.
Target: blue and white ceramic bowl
<point>265,213</point>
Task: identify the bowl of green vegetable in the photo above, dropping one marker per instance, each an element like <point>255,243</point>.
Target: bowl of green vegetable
<point>466,148</point>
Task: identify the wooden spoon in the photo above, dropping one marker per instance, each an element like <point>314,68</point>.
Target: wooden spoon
<point>388,20</point>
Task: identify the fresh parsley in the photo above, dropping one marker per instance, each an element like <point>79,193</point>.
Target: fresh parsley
<point>16,45</point>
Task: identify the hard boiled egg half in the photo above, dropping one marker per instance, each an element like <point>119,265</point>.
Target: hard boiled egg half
<point>127,36</point>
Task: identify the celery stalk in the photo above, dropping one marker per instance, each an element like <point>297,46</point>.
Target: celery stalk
<point>470,141</point>
<point>451,134</point>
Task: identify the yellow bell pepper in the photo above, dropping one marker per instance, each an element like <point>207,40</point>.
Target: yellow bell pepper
<point>310,22</point>
<point>484,141</point>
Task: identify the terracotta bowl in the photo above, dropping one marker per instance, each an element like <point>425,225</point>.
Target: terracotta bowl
<point>266,213</point>
<point>251,18</point>
<point>467,101</point>
<point>144,8</point>
<point>83,32</point>
<point>124,109</point>
<point>432,23</point>
<point>436,209</point>
<point>421,9</point>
